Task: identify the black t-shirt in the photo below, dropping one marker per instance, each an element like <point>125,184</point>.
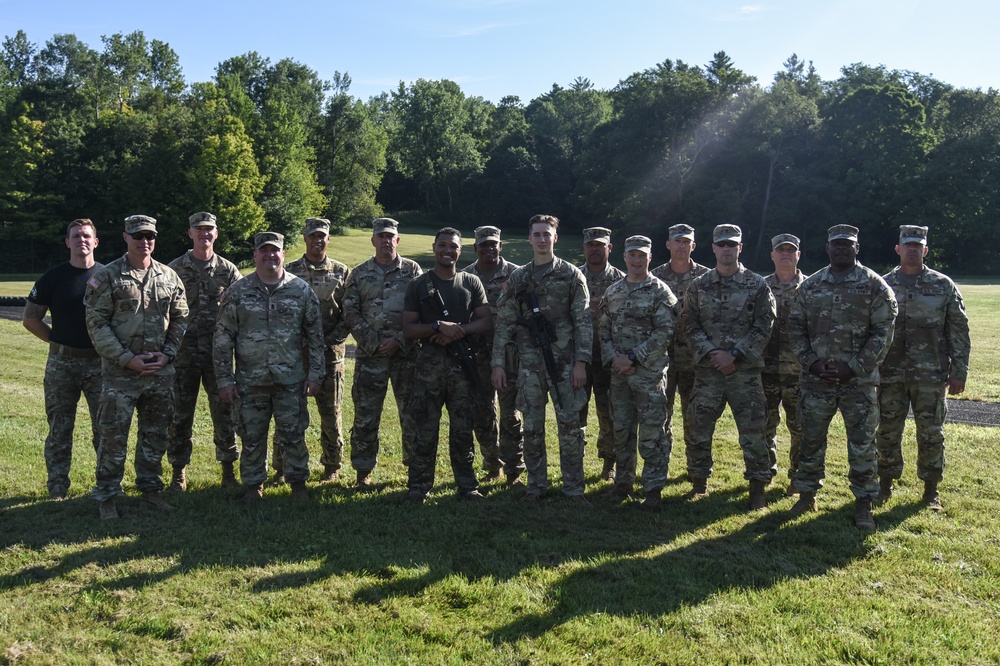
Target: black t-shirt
<point>462,295</point>
<point>61,291</point>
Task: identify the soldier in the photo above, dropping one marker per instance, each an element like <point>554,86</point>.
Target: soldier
<point>446,309</point>
<point>600,275</point>
<point>328,278</point>
<point>545,307</point>
<point>781,365</point>
<point>136,316</point>
<point>373,308</point>
<point>678,274</point>
<point>205,275</point>
<point>728,313</point>
<point>500,442</point>
<point>840,327</point>
<point>265,321</point>
<point>929,354</point>
<point>636,326</point>
<point>73,366</point>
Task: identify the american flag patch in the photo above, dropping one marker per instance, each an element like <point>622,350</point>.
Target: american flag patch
<point>93,282</point>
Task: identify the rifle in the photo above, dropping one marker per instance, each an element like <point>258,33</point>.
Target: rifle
<point>460,350</point>
<point>543,335</point>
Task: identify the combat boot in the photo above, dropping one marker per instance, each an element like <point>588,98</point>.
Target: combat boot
<point>652,501</point>
<point>884,489</point>
<point>608,471</point>
<point>493,474</point>
<point>253,494</point>
<point>330,474</point>
<point>278,477</point>
<point>931,497</point>
<point>757,501</point>
<point>364,484</point>
<point>108,510</point>
<point>619,491</point>
<point>178,482</point>
<point>299,492</point>
<point>863,518</point>
<point>229,475</point>
<point>152,499</point>
<point>805,504</point>
<point>699,489</point>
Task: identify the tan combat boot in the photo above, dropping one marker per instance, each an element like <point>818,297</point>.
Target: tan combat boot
<point>608,471</point>
<point>152,499</point>
<point>884,489</point>
<point>330,474</point>
<point>108,510</point>
<point>299,492</point>
<point>699,489</point>
<point>178,482</point>
<point>253,494</point>
<point>652,501</point>
<point>757,501</point>
<point>229,475</point>
<point>863,518</point>
<point>931,497</point>
<point>364,484</point>
<point>805,504</point>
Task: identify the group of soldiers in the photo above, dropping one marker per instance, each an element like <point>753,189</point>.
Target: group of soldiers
<point>493,343</point>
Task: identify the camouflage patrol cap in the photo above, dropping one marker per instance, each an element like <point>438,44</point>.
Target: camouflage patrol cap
<point>640,243</point>
<point>727,232</point>
<point>268,238</point>
<point>599,234</point>
<point>785,239</point>
<point>909,233</point>
<point>316,225</point>
<point>680,231</point>
<point>202,219</point>
<point>136,223</point>
<point>385,225</point>
<point>487,233</point>
<point>839,231</point>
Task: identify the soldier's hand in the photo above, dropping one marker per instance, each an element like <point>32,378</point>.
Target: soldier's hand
<point>388,347</point>
<point>311,387</point>
<point>137,363</point>
<point>578,379</point>
<point>621,365</point>
<point>228,394</point>
<point>451,331</point>
<point>155,361</point>
<point>954,386</point>
<point>723,361</point>
<point>499,379</point>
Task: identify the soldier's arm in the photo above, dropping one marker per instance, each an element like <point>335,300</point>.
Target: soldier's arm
<point>312,332</point>
<point>957,333</point>
<point>664,320</point>
<point>604,332</point>
<point>701,344</point>
<point>798,330</point>
<point>752,344</point>
<point>177,324</point>
<point>881,320</point>
<point>362,331</point>
<point>33,319</point>
<point>583,322</point>
<point>340,330</point>
<point>224,342</point>
<point>506,321</point>
<point>100,309</point>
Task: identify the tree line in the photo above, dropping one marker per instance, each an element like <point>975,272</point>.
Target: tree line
<point>111,132</point>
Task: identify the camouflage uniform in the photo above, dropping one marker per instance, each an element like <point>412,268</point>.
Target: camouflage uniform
<point>129,312</point>
<point>328,279</point>
<point>639,319</point>
<point>733,313</point>
<point>501,443</point>
<point>563,300</point>
<point>845,318</point>
<point>930,345</point>
<point>373,308</point>
<point>203,285</point>
<point>267,327</point>
<point>781,374</point>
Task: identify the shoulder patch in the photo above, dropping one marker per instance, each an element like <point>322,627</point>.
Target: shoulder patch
<point>94,282</point>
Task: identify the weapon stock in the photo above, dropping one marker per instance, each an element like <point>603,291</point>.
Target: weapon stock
<point>543,335</point>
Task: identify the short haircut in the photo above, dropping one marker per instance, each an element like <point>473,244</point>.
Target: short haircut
<point>80,222</point>
<point>447,231</point>
<point>550,220</point>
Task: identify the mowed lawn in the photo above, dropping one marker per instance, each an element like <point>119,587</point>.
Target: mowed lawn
<point>371,579</point>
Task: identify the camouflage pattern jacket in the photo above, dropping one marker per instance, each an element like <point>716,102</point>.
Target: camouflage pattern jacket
<point>931,339</point>
<point>494,287</point>
<point>267,331</point>
<point>203,287</point>
<point>638,318</point>
<point>131,312</point>
<point>729,313</point>
<point>681,354</point>
<point>848,319</point>
<point>779,359</point>
<point>373,303</point>
<point>597,284</point>
<point>328,280</point>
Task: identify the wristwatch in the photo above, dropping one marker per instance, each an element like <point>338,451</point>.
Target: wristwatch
<point>436,326</point>
<point>735,352</point>
<point>632,357</point>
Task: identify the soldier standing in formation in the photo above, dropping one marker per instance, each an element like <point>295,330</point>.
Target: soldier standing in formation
<point>600,275</point>
<point>206,276</point>
<point>781,366</point>
<point>728,313</point>
<point>136,316</point>
<point>328,278</point>
<point>929,355</point>
<point>73,366</point>
<point>499,441</point>
<point>636,326</point>
<point>265,321</point>
<point>373,308</point>
<point>545,306</point>
<point>840,327</point>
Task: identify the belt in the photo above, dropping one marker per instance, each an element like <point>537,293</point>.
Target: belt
<point>71,352</point>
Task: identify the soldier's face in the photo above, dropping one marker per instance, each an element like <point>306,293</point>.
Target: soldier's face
<point>140,244</point>
<point>784,256</point>
<point>637,263</point>
<point>680,248</point>
<point>204,236</point>
<point>543,238</point>
<point>911,255</point>
<point>447,250</point>
<point>597,253</point>
<point>489,252</point>
<point>268,259</point>
<point>843,253</point>
<point>727,252</point>
<point>385,245</point>
<point>81,241</point>
<point>316,243</point>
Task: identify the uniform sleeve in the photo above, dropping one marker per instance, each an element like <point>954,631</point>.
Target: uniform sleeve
<point>224,342</point>
<point>701,344</point>
<point>100,310</point>
<point>340,330</point>
<point>798,331</point>
<point>752,344</point>
<point>956,330</point>
<point>664,321</point>
<point>881,319</point>
<point>604,334</point>
<point>178,318</point>
<point>583,321</point>
<point>506,321</point>
<point>360,329</point>
<point>312,332</point>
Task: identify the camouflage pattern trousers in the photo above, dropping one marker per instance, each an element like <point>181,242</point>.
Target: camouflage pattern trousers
<point>255,407</point>
<point>599,384</point>
<point>818,402</point>
<point>329,404</point>
<point>65,379</point>
<point>782,391</point>
<point>151,398</point>
<point>372,377</point>
<point>501,442</point>
<point>639,405</point>
<point>681,382</point>
<point>930,407</point>
<point>188,379</point>
<point>439,383</point>
<point>743,391</point>
<point>532,396</point>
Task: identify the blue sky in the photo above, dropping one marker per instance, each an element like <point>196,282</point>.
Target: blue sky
<point>493,48</point>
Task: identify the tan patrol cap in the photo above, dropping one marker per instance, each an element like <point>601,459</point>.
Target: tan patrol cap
<point>268,238</point>
<point>599,234</point>
<point>136,223</point>
<point>487,233</point>
<point>202,219</point>
<point>385,225</point>
<point>785,239</point>
<point>680,231</point>
<point>838,231</point>
<point>909,233</point>
<point>316,225</point>
<point>727,232</point>
<point>640,243</point>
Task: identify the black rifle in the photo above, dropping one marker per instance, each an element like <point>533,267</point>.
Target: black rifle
<point>460,350</point>
<point>543,335</point>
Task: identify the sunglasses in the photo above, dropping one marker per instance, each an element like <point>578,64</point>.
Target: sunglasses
<point>726,244</point>
<point>144,237</point>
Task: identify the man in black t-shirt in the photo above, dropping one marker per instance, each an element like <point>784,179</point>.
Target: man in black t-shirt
<point>447,310</point>
<point>73,366</point>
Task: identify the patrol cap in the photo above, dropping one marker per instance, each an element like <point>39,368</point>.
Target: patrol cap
<point>839,231</point>
<point>727,232</point>
<point>268,238</point>
<point>640,243</point>
<point>599,234</point>
<point>785,239</point>
<point>385,225</point>
<point>680,231</point>
<point>316,225</point>
<point>202,219</point>
<point>136,223</point>
<point>487,233</point>
<point>909,233</point>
